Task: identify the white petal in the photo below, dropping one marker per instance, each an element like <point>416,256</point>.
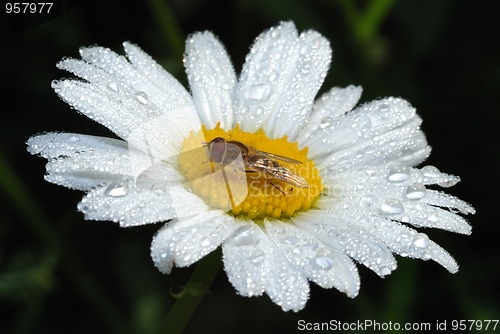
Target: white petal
<point>407,242</point>
<point>287,287</point>
<point>280,78</point>
<point>79,161</point>
<point>161,87</point>
<point>441,199</point>
<point>119,95</point>
<point>376,133</point>
<point>330,106</point>
<point>161,139</point>
<point>212,79</point>
<point>398,193</point>
<point>324,264</point>
<point>428,216</point>
<point>339,233</point>
<point>187,240</point>
<point>246,259</point>
<point>122,201</point>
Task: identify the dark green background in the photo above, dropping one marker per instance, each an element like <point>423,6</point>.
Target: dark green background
<point>61,274</point>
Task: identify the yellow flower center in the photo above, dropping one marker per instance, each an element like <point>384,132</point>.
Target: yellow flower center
<point>248,173</point>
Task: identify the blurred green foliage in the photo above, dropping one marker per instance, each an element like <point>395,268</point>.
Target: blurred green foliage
<point>60,274</point>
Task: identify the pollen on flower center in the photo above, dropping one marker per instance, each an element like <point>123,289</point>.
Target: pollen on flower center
<point>249,174</point>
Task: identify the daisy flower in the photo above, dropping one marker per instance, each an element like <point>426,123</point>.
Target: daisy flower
<point>294,189</point>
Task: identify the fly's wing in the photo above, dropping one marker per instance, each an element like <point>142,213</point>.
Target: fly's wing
<point>234,151</point>
<point>160,176</point>
<point>164,173</point>
<point>228,182</point>
<point>278,171</point>
<point>273,156</point>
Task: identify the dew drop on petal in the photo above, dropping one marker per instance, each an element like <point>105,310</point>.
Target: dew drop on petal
<point>306,67</point>
<point>323,262</point>
<point>399,174</point>
<point>117,189</point>
<point>367,201</point>
<point>113,86</point>
<point>384,271</point>
<point>391,206</point>
<point>142,97</point>
<point>448,183</point>
<point>257,92</point>
<point>421,240</point>
<point>74,139</point>
<point>325,122</point>
<point>291,241</point>
<point>433,218</point>
<point>205,242</point>
<point>431,171</point>
<point>415,191</point>
<point>243,236</point>
<point>257,257</point>
<point>371,171</point>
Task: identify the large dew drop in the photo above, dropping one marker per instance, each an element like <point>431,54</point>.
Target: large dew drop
<point>391,206</point>
<point>323,262</point>
<point>399,174</point>
<point>415,191</point>
<point>117,189</point>
<point>142,98</point>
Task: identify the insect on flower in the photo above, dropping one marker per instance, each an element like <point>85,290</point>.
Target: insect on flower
<point>224,152</point>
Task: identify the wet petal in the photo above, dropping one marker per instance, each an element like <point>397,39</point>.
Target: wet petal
<point>280,79</point>
<point>212,79</point>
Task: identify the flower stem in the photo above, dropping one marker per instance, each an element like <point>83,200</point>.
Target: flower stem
<point>195,289</point>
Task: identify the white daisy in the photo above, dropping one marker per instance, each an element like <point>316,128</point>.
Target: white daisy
<point>355,196</point>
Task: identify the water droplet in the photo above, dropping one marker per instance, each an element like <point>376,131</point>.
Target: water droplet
<point>257,92</point>
<point>113,86</point>
<point>371,171</point>
<point>399,174</point>
<point>117,189</point>
<point>273,76</point>
<point>226,86</point>
<point>142,97</point>
<point>306,67</point>
<point>291,240</point>
<point>384,271</point>
<point>243,236</point>
<point>431,171</point>
<point>74,139</point>
<point>415,191</point>
<point>325,122</point>
<point>311,245</point>
<point>367,201</point>
<point>205,242</point>
<point>391,206</point>
<point>257,257</point>
<point>421,240</point>
<point>433,218</point>
<point>448,183</point>
<point>323,262</point>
